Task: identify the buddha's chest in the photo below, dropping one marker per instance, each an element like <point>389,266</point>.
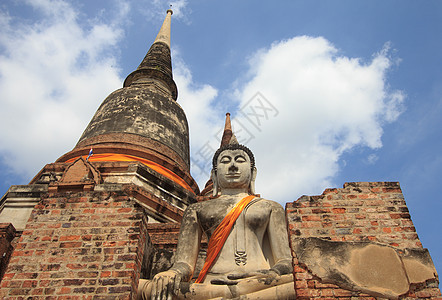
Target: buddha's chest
<point>254,217</point>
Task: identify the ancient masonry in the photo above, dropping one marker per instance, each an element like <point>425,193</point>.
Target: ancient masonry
<point>91,228</point>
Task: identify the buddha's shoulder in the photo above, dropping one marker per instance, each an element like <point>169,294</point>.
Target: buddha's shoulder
<point>269,203</point>
<point>227,201</point>
<point>204,204</point>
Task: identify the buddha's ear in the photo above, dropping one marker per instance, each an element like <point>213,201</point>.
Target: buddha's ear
<point>252,181</point>
<point>215,183</point>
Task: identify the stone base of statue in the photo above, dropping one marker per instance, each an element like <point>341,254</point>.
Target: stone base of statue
<point>255,287</point>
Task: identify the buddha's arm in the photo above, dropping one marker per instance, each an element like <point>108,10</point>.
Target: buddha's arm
<point>188,244</point>
<point>279,243</point>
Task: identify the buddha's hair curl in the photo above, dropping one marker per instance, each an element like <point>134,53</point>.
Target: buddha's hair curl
<point>233,147</point>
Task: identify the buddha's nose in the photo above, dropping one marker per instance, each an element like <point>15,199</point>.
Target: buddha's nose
<point>233,168</point>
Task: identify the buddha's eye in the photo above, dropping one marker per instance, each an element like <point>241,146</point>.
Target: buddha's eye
<point>240,159</point>
<point>225,159</point>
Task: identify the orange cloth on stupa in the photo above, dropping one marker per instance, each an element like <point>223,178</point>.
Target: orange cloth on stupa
<point>124,157</point>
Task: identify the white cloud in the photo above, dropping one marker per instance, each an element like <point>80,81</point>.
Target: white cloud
<point>327,104</point>
<point>204,120</point>
<point>157,9</point>
<point>372,158</point>
<point>50,69</point>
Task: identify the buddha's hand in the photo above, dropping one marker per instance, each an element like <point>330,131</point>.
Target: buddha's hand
<point>269,275</point>
<point>165,285</point>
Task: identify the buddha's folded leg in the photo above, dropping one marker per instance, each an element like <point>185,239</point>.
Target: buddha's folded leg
<point>284,291</point>
<point>197,291</point>
<point>256,287</point>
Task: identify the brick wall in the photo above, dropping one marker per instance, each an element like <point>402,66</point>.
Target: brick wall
<point>7,235</point>
<point>365,211</point>
<point>79,244</point>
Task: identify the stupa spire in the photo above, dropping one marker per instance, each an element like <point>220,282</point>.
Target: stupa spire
<point>157,64</point>
<point>164,33</point>
<point>143,119</point>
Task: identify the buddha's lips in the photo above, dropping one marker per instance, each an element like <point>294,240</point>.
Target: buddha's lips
<point>234,175</point>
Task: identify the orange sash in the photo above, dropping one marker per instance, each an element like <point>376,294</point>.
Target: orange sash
<point>220,235</point>
<point>154,166</point>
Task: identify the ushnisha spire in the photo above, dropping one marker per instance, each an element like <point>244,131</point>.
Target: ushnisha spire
<point>157,64</point>
<point>228,136</point>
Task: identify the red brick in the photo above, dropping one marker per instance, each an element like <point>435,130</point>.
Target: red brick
<point>326,293</point>
<point>298,269</point>
<point>26,276</point>
<point>342,293</point>
<point>119,289</point>
<point>8,276</point>
<point>76,266</point>
<point>16,292</point>
<point>68,282</point>
<point>300,276</point>
<point>12,284</point>
<point>357,230</point>
<point>23,253</point>
<point>70,244</point>
<point>88,274</point>
<point>70,238</point>
<point>105,273</point>
<point>320,210</point>
<point>84,290</point>
<point>392,190</point>
<point>311,218</point>
<point>64,290</point>
<point>122,273</point>
<point>109,281</point>
<point>386,230</point>
<point>301,284</point>
<point>307,293</point>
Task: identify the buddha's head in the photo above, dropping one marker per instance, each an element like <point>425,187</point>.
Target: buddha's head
<point>234,169</point>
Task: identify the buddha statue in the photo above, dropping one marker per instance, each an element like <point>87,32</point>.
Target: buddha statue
<point>248,255</point>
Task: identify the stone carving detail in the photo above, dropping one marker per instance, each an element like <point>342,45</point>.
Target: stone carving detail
<point>80,173</point>
<point>240,258</point>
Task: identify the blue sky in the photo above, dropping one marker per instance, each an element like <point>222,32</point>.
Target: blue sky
<point>343,90</point>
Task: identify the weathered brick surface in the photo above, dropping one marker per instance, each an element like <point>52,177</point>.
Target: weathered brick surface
<point>79,245</point>
<point>7,235</point>
<point>362,211</point>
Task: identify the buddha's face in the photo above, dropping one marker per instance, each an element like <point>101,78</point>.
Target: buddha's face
<point>233,169</point>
